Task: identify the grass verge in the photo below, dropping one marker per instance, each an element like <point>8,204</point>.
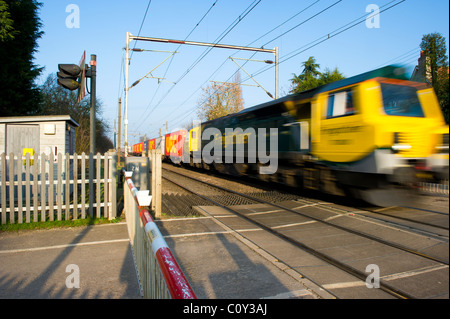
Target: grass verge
<point>59,224</point>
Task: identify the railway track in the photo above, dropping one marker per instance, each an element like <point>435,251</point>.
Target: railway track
<point>340,221</point>
<point>430,223</point>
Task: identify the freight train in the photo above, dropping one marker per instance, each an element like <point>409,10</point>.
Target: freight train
<point>367,136</point>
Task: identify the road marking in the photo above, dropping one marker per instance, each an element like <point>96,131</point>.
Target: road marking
<point>345,285</point>
<point>413,272</point>
<point>265,212</point>
<point>12,251</point>
<point>400,275</point>
<point>212,233</point>
<point>290,294</point>
<point>294,224</point>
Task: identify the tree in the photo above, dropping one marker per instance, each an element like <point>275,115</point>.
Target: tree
<point>59,101</point>
<point>308,79</point>
<point>7,31</point>
<point>435,48</point>
<point>311,77</point>
<point>311,68</point>
<point>19,32</point>
<point>220,99</point>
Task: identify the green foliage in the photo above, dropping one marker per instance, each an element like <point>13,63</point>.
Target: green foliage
<point>58,223</point>
<point>58,101</point>
<point>19,32</point>
<point>7,31</point>
<point>311,77</point>
<point>435,48</point>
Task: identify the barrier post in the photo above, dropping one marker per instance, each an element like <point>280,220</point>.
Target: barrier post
<point>173,276</point>
<point>156,171</point>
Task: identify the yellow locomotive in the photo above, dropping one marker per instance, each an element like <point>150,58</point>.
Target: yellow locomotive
<point>369,135</point>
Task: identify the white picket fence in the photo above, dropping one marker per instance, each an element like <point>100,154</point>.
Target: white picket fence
<point>435,188</point>
<point>47,187</point>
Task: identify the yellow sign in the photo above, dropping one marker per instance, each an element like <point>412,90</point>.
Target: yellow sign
<point>29,151</point>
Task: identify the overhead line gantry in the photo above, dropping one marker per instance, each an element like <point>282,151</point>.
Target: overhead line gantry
<point>130,38</point>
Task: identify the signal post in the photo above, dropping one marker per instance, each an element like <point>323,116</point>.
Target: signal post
<point>72,77</point>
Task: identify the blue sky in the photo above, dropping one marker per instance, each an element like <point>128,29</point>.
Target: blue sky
<point>103,27</point>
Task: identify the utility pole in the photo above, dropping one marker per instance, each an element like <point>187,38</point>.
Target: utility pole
<point>93,70</point>
<point>277,62</point>
<point>120,125</point>
<point>127,65</point>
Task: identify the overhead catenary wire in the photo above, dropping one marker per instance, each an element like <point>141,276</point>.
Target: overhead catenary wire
<point>208,50</point>
<point>142,24</point>
<point>207,80</point>
<point>328,36</point>
<point>177,49</point>
<point>312,44</point>
<point>322,39</point>
<point>273,29</point>
<point>402,57</point>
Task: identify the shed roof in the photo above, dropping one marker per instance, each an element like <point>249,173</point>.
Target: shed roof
<point>43,118</point>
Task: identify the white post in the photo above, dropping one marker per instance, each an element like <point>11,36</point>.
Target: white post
<point>276,72</point>
<point>127,62</point>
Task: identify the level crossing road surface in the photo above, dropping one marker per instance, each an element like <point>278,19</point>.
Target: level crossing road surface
<point>220,264</point>
<point>42,264</point>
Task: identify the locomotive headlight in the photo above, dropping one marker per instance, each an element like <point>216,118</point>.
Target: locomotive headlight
<point>401,147</point>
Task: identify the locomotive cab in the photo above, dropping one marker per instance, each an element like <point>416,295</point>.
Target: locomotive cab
<point>389,128</point>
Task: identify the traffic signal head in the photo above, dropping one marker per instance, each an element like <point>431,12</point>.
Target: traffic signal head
<point>68,76</point>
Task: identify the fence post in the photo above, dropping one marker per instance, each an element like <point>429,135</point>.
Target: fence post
<point>51,188</point>
<point>155,162</point>
<point>98,185</point>
<point>113,177</point>
<point>3,188</point>
<point>91,184</point>
<point>75,186</point>
<point>11,189</point>
<point>83,185</point>
<point>27,186</point>
<point>152,156</point>
<point>158,173</point>
<point>106,185</point>
<point>19,189</point>
<point>67,186</point>
<point>43,186</point>
<point>35,186</point>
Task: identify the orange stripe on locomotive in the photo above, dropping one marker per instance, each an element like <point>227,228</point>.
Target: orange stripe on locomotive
<point>152,144</point>
<point>174,143</point>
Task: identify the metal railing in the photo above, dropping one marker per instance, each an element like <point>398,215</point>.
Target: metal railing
<point>159,274</point>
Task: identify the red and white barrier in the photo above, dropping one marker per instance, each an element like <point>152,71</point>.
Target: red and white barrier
<point>177,284</point>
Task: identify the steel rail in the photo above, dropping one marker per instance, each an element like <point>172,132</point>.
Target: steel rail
<point>351,270</point>
<point>405,219</point>
<point>321,206</point>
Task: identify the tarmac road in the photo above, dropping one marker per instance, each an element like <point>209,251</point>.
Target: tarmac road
<point>50,264</point>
